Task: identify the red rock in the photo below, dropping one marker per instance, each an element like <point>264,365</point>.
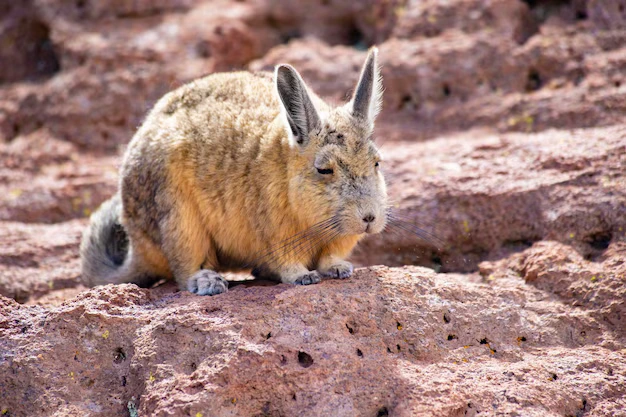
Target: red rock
<point>607,14</point>
<point>155,56</point>
<point>377,341</point>
<point>504,141</point>
<point>509,18</point>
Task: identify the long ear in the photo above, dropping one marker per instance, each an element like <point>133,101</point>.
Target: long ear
<point>300,113</point>
<point>367,100</point>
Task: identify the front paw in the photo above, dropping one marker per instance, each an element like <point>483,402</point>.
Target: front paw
<point>207,282</point>
<point>341,270</point>
<point>311,277</point>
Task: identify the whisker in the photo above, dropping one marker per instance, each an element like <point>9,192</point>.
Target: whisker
<point>421,233</point>
<point>434,229</point>
<point>307,238</point>
<point>280,252</point>
<point>285,242</point>
<point>391,211</point>
<point>310,248</point>
<point>326,237</point>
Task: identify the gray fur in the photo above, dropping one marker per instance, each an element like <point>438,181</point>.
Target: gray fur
<point>137,188</point>
<point>104,246</point>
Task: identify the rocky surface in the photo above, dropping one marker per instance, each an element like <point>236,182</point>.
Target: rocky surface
<point>400,341</point>
<point>504,137</point>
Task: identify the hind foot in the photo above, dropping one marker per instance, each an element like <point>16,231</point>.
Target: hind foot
<point>207,282</point>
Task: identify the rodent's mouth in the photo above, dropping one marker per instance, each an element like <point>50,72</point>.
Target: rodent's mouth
<point>373,228</point>
<point>359,224</point>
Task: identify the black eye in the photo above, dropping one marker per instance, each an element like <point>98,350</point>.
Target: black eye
<point>327,171</point>
<point>377,164</point>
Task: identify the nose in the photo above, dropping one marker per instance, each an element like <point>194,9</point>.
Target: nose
<point>369,218</point>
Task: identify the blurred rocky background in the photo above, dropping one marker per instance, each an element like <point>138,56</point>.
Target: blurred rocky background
<point>504,137</point>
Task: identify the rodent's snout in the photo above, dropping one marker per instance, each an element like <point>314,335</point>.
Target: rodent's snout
<point>363,207</point>
<point>368,220</point>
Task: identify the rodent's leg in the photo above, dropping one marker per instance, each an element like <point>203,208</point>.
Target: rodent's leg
<point>334,267</point>
<point>188,249</point>
<point>298,274</point>
<point>148,262</point>
<point>331,263</point>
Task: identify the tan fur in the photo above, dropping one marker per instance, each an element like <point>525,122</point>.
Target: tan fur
<point>214,181</point>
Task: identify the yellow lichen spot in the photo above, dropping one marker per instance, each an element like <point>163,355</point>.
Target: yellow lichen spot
<point>15,193</point>
<point>466,226</point>
<point>572,235</point>
<point>594,278</point>
<point>466,347</point>
<point>5,411</point>
<point>530,121</point>
<point>152,377</point>
<point>399,326</point>
<point>87,212</point>
<point>40,356</point>
<point>431,19</point>
<point>234,401</point>
<point>198,414</point>
<point>493,352</point>
<point>491,277</point>
<point>399,11</point>
<point>72,374</point>
<point>464,360</point>
<point>50,284</point>
<point>106,334</point>
<point>525,119</point>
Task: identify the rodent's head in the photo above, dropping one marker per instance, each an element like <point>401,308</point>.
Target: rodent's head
<point>335,171</point>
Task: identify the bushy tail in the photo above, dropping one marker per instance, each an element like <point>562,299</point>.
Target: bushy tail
<point>105,247</point>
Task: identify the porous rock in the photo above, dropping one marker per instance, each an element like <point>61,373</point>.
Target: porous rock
<point>404,340</point>
<point>503,137</point>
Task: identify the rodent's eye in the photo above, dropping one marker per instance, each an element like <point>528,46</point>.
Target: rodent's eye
<point>377,164</point>
<point>326,171</point>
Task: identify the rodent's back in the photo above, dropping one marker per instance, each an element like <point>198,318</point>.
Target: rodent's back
<point>239,101</point>
<point>216,142</point>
